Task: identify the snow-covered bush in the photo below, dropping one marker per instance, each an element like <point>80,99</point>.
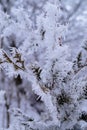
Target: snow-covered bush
<point>37,56</point>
